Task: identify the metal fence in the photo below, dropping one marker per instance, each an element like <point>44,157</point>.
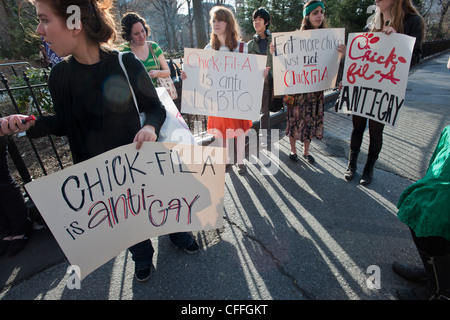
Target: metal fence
<point>19,70</point>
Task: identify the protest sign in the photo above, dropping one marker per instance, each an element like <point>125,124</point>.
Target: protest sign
<point>375,75</point>
<point>223,84</point>
<point>102,206</point>
<point>306,61</point>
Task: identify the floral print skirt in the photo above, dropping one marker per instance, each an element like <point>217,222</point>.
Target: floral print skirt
<point>305,116</point>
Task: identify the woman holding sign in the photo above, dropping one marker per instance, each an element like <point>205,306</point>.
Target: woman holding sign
<point>92,103</point>
<point>305,111</point>
<point>225,36</point>
<point>393,16</point>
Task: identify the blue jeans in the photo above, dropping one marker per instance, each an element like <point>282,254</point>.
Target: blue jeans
<point>142,252</point>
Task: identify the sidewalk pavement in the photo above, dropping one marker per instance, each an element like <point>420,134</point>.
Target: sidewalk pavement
<point>301,233</point>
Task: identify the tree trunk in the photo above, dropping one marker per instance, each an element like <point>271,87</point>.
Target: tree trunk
<point>199,23</point>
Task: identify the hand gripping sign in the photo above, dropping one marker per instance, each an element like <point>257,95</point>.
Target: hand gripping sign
<point>102,206</point>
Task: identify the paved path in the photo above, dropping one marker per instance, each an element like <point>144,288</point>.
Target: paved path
<point>301,233</point>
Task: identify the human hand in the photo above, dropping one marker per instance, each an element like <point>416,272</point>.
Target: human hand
<point>183,75</point>
<point>272,48</point>
<point>340,86</point>
<point>342,48</point>
<point>389,30</point>
<point>153,73</point>
<point>147,133</point>
<point>14,124</point>
<point>266,72</point>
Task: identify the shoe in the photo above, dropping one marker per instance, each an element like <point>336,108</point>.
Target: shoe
<point>185,242</point>
<point>142,274</point>
<point>410,272</point>
<point>294,157</point>
<point>309,158</point>
<point>438,280</point>
<point>352,165</point>
<point>16,246</point>
<point>367,175</point>
<point>193,248</point>
<point>242,168</point>
<point>4,244</point>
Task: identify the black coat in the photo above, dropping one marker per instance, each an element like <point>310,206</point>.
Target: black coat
<point>94,106</point>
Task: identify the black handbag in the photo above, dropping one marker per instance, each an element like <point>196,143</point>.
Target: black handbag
<point>276,104</point>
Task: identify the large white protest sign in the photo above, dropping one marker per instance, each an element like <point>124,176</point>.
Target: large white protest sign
<point>223,84</point>
<point>375,75</point>
<point>102,206</point>
<point>306,61</point>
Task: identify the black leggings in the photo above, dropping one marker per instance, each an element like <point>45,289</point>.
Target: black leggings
<point>375,132</point>
<point>433,246</point>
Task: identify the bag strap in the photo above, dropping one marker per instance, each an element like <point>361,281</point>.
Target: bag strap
<point>129,84</point>
<point>150,46</point>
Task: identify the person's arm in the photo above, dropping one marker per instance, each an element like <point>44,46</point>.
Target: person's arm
<point>164,70</point>
<point>146,95</point>
<point>414,28</point>
<point>44,125</point>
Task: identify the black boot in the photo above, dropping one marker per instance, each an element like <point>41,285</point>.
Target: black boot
<point>367,175</point>
<point>438,284</point>
<point>410,272</point>
<point>352,164</point>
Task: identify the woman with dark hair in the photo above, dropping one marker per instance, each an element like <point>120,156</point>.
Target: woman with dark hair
<point>393,16</point>
<point>305,111</point>
<point>136,31</point>
<point>93,104</point>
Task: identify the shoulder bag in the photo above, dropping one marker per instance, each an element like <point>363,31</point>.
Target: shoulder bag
<point>165,82</point>
<point>174,128</point>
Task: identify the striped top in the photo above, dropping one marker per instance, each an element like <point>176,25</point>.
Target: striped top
<point>150,63</point>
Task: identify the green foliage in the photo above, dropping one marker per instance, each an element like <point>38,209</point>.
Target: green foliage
<point>22,38</point>
<point>349,14</point>
<point>286,15</point>
<point>23,96</point>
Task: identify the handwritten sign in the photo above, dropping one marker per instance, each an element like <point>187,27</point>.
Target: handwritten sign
<point>375,75</point>
<point>306,61</point>
<point>223,84</point>
<point>102,206</point>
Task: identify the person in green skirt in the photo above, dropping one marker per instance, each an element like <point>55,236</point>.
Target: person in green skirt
<point>425,208</point>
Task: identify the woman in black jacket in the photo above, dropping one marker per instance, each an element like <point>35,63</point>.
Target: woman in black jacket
<point>91,97</point>
<point>393,16</point>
